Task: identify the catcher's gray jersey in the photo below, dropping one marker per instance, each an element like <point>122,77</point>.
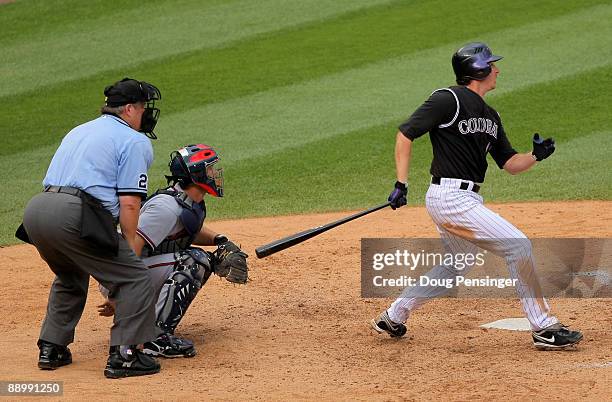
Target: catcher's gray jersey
<point>159,219</point>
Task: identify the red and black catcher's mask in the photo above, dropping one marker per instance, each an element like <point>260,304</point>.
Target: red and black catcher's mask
<point>197,164</point>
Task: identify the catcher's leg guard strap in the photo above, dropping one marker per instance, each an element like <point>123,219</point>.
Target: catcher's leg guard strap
<point>191,271</point>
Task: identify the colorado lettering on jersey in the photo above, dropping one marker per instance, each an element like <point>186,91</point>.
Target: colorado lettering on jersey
<point>478,125</point>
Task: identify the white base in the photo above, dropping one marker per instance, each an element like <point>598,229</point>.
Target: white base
<point>511,324</point>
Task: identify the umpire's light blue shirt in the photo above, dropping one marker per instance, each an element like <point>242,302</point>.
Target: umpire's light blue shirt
<point>104,157</point>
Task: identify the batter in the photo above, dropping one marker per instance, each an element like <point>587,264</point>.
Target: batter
<point>463,129</point>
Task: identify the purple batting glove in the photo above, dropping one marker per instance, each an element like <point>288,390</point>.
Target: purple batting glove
<point>397,198</point>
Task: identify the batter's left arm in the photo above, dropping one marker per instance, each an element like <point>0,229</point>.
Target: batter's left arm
<point>542,149</point>
<point>519,163</point>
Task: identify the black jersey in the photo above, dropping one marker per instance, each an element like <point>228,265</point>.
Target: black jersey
<point>463,129</point>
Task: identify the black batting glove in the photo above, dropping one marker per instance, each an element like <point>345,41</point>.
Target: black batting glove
<point>542,148</point>
<point>397,198</point>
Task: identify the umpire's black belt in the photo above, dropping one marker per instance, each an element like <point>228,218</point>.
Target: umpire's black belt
<point>77,192</point>
<point>64,190</point>
<point>464,184</point>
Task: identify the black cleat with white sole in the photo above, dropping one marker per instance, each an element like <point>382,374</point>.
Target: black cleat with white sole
<point>134,363</point>
<point>384,324</point>
<point>168,345</point>
<point>556,336</point>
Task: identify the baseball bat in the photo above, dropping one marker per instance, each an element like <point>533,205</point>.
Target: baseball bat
<point>289,241</point>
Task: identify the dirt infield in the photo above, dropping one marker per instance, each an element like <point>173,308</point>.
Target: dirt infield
<point>299,329</point>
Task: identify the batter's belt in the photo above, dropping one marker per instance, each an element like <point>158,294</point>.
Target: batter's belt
<point>464,184</point>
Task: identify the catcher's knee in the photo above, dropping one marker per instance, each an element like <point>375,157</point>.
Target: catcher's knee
<point>191,271</point>
<point>197,262</point>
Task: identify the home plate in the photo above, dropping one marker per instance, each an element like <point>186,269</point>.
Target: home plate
<point>512,324</point>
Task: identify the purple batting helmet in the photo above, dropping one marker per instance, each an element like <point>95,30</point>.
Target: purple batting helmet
<point>472,62</point>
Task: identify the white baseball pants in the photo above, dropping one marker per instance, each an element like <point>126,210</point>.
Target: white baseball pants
<point>465,224</point>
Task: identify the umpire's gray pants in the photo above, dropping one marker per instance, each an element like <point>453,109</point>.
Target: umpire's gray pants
<point>53,221</point>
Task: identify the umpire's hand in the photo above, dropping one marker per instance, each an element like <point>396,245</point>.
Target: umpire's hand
<point>397,198</point>
<point>107,309</point>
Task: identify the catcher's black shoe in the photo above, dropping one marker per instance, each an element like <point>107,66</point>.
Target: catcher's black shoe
<point>556,336</point>
<point>136,363</point>
<point>384,324</point>
<point>52,356</point>
<point>168,345</point>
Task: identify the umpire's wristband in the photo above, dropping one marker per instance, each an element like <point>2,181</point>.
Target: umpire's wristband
<point>220,239</point>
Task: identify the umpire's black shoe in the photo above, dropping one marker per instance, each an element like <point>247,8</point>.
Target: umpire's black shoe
<point>168,345</point>
<point>556,336</point>
<point>52,356</point>
<point>136,363</point>
<point>384,324</point>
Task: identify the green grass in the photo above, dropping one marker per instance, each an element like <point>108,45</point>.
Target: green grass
<point>303,98</point>
<point>107,35</point>
<point>194,79</point>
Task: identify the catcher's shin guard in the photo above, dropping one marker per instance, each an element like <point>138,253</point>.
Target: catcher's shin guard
<point>191,271</point>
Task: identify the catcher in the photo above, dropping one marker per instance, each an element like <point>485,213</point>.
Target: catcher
<point>171,220</point>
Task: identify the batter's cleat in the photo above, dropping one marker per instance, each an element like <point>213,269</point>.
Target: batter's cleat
<point>52,356</point>
<point>556,336</point>
<point>384,324</point>
<point>167,345</point>
<point>135,363</point>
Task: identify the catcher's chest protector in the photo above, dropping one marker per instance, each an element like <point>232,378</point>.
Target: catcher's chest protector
<point>192,218</point>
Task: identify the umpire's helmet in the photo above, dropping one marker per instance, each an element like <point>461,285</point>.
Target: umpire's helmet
<point>129,90</point>
<point>196,164</point>
<point>472,62</point>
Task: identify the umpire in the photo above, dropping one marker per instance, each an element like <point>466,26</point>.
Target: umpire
<point>97,179</point>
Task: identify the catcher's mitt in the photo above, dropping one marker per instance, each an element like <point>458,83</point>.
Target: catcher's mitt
<point>230,263</point>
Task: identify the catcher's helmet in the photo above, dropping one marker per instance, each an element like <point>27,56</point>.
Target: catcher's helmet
<point>195,164</point>
<point>472,62</point>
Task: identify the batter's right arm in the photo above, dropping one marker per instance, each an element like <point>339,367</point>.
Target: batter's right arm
<point>403,151</point>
